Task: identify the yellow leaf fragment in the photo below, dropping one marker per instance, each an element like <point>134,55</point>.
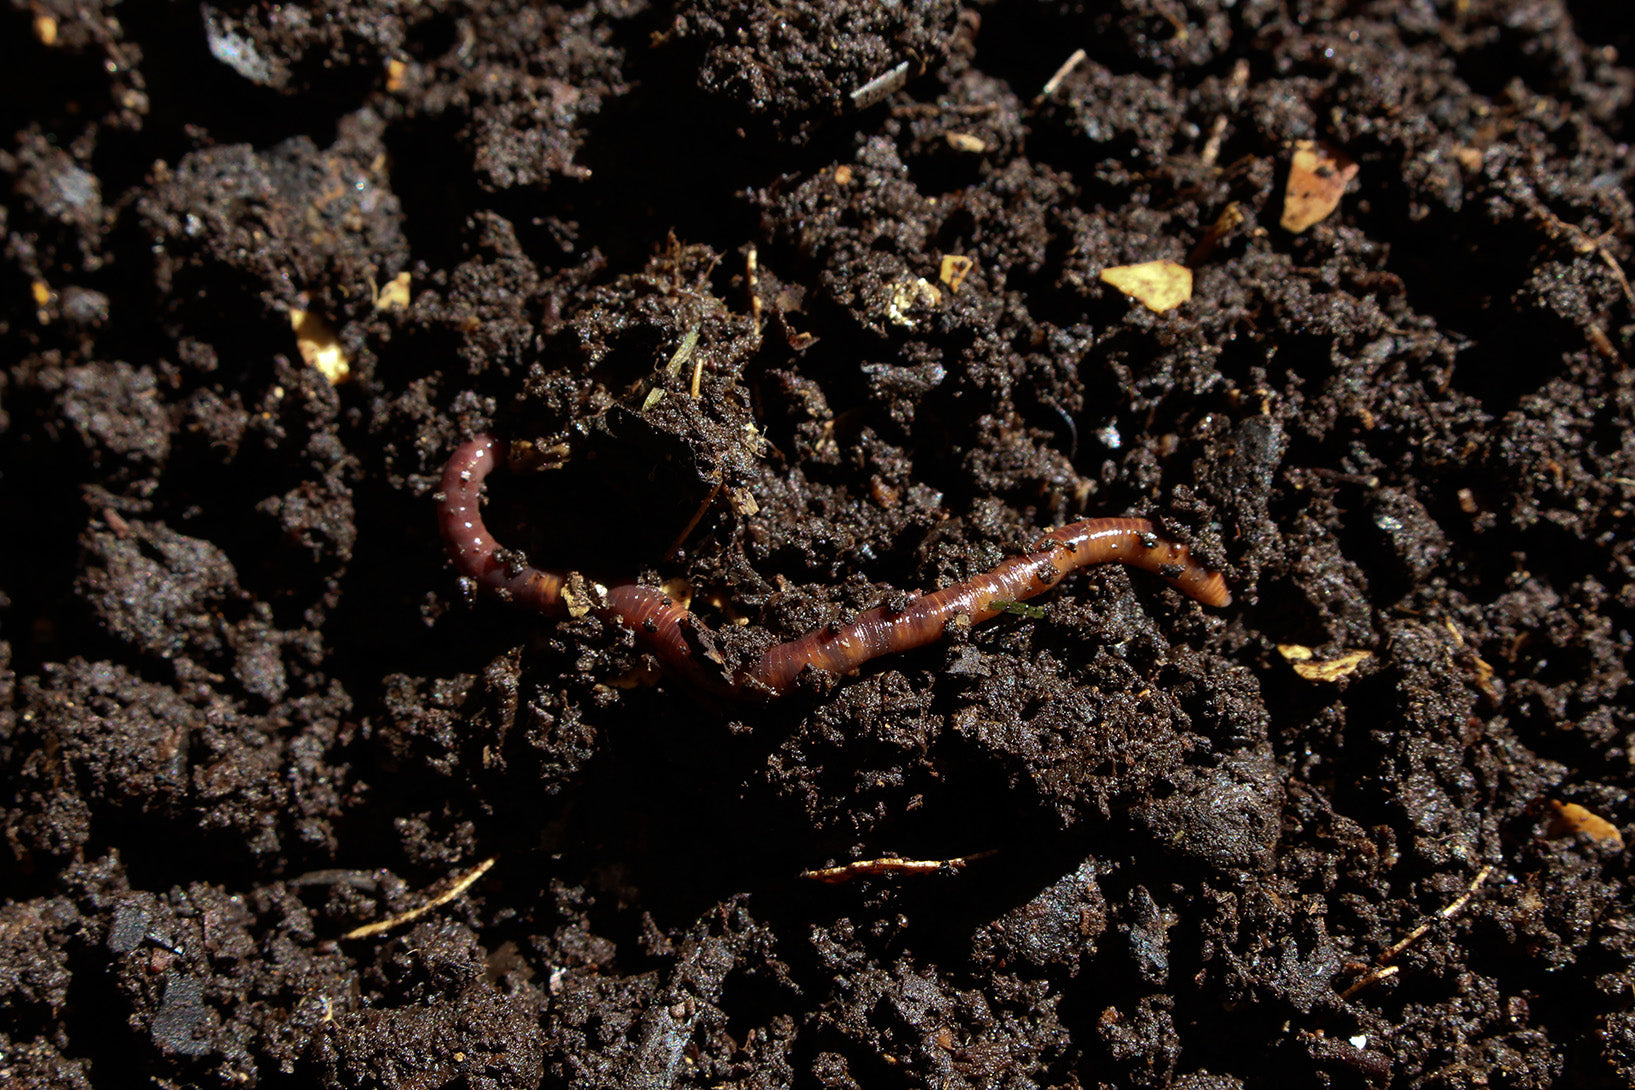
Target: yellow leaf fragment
<point>45,29</point>
<point>395,295</point>
<point>906,295</point>
<point>955,268</point>
<point>743,502</point>
<point>964,141</point>
<point>1334,669</point>
<point>1157,285</point>
<point>1307,665</point>
<point>1481,669</point>
<point>580,596</point>
<point>1570,818</point>
<point>1317,179</point>
<point>319,347</point>
<point>395,70</point>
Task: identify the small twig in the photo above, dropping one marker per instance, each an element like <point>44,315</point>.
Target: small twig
<point>1373,976</point>
<point>460,885</point>
<point>1447,913</point>
<point>1073,61</point>
<point>692,523</point>
<point>1217,130</point>
<point>1212,146</point>
<point>684,352</point>
<point>752,281</point>
<point>1583,242</point>
<point>1383,969</point>
<point>890,865</point>
<point>882,85</point>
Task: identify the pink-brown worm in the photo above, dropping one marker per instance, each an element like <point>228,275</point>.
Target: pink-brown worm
<point>673,635</point>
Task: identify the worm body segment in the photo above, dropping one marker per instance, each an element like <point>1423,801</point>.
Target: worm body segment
<point>681,642</point>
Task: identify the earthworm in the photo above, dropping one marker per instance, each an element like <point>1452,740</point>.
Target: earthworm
<point>682,643</point>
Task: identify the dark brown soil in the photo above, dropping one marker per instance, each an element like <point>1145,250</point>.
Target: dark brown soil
<point>245,707</point>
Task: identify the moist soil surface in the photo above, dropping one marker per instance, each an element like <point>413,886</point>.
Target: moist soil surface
<point>797,309</point>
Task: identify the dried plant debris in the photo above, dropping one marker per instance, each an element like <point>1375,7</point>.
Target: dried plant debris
<point>1157,285</point>
<point>1569,818</point>
<point>796,313</point>
<point>1306,663</point>
<point>1317,180</point>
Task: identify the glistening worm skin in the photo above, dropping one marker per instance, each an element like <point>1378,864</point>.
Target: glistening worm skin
<point>674,635</point>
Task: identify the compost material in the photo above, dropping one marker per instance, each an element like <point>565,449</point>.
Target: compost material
<point>795,312</point>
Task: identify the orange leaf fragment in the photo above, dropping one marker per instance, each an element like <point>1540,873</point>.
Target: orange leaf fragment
<point>954,269</point>
<point>1317,179</point>
<point>1158,285</point>
<point>1570,818</point>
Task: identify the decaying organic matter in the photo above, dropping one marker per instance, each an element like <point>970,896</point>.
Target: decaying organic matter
<point>812,295</point>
